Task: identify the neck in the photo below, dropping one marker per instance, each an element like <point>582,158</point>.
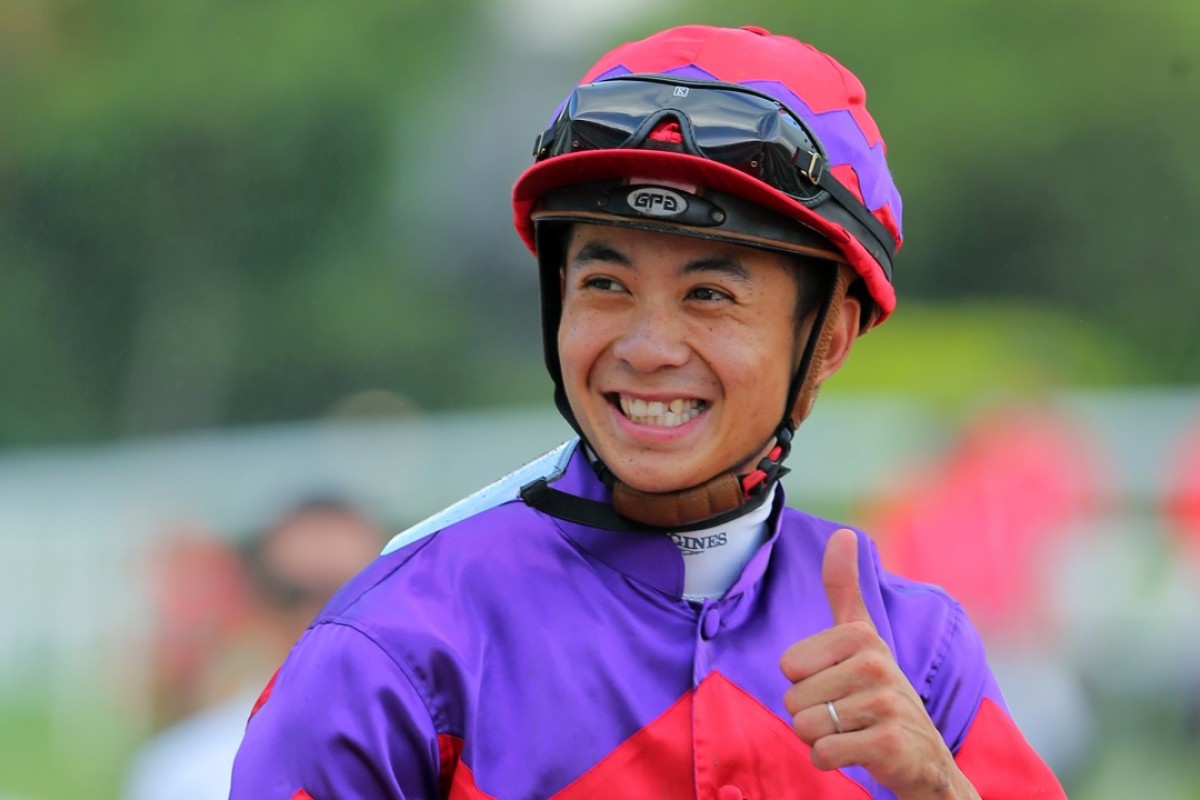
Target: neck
<point>715,556</point>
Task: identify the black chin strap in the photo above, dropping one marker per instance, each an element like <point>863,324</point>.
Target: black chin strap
<point>757,485</point>
<point>540,496</point>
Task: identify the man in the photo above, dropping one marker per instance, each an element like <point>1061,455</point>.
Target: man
<point>638,614</point>
<point>288,571</point>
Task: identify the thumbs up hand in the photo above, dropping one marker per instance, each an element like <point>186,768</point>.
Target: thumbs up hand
<point>852,704</point>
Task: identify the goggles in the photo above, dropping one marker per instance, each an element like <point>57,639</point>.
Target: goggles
<point>722,122</point>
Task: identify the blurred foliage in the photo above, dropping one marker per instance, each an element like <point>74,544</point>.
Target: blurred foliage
<point>193,215</point>
<point>203,204</point>
<point>1045,153</point>
<point>961,355</point>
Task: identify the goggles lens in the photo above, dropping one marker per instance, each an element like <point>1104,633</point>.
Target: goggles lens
<point>721,122</point>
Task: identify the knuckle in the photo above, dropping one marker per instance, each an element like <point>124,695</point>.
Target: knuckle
<point>862,631</point>
<point>884,705</point>
<point>875,667</point>
<point>861,637</point>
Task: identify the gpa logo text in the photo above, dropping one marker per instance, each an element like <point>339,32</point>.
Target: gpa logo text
<point>654,201</point>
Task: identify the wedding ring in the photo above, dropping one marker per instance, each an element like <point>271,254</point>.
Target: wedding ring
<point>833,715</point>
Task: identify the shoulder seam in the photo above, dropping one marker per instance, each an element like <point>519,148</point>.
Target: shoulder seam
<point>440,723</point>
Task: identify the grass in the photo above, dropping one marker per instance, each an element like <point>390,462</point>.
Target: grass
<point>1145,751</point>
<point>63,750</point>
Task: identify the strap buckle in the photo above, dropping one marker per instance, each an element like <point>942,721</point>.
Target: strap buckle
<point>815,168</point>
<point>771,468</point>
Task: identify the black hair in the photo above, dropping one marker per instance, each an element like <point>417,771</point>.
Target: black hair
<point>272,587</point>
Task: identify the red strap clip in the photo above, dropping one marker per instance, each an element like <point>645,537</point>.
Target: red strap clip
<point>753,480</point>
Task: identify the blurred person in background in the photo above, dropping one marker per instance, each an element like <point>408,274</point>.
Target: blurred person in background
<point>639,614</point>
<point>278,581</point>
<point>1026,482</point>
<point>199,596</point>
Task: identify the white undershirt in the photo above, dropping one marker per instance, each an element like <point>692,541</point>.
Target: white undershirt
<point>713,558</point>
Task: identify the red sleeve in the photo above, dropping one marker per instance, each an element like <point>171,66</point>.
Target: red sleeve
<point>998,761</point>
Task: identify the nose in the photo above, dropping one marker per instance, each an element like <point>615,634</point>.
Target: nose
<point>653,338</point>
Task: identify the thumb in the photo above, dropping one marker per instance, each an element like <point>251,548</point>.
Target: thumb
<point>839,574</point>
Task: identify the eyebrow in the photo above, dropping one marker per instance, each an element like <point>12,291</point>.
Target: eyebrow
<point>598,251</point>
<point>729,267</point>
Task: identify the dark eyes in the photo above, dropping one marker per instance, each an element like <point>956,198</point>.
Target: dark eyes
<point>708,294</point>
<point>602,284</point>
<point>704,294</point>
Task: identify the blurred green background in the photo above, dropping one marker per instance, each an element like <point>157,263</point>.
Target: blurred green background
<point>220,216</point>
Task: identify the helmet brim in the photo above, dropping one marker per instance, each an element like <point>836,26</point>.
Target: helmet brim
<point>684,168</point>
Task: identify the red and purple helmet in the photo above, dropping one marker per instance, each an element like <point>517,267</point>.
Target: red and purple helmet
<point>732,134</point>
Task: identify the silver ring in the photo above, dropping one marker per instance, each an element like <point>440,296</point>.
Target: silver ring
<point>833,715</point>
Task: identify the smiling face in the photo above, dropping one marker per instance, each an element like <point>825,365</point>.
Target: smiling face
<point>676,352</point>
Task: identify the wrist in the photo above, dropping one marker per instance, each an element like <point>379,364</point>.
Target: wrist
<point>947,783</point>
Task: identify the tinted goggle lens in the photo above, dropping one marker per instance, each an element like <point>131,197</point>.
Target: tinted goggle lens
<point>721,122</point>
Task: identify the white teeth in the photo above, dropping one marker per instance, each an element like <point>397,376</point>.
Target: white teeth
<point>661,414</point>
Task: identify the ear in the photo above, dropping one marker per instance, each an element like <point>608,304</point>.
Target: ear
<point>845,332</point>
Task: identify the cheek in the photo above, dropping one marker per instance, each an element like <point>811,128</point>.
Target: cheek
<point>757,368</point>
<point>576,345</point>
<point>745,353</point>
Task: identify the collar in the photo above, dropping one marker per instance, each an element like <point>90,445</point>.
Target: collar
<point>647,556</point>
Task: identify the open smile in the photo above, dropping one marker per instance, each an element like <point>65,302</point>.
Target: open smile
<point>659,413</point>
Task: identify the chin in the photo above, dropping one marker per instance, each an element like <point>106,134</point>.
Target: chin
<point>655,487</point>
<point>654,481</point>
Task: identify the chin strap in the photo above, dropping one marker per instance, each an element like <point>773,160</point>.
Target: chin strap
<point>728,495</point>
<point>724,496</point>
